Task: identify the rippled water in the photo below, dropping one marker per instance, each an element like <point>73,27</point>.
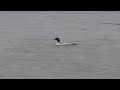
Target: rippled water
<point>27,48</point>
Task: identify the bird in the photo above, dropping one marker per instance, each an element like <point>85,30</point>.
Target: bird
<point>63,44</point>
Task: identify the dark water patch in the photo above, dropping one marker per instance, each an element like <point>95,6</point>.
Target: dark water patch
<point>117,24</point>
<point>83,29</point>
<point>112,23</point>
<point>102,16</point>
<point>107,23</point>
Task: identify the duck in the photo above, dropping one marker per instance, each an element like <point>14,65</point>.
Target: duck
<point>62,44</point>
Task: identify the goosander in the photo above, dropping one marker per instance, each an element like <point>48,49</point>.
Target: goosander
<point>62,44</point>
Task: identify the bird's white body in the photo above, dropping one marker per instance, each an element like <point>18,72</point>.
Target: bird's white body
<point>64,44</point>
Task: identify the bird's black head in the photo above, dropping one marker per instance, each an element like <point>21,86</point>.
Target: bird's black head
<point>57,39</point>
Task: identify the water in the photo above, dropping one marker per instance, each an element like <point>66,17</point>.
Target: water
<point>28,51</point>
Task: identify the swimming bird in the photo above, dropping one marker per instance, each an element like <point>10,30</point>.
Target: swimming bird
<point>63,44</point>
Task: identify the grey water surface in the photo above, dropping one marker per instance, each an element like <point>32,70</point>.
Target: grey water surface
<point>28,51</point>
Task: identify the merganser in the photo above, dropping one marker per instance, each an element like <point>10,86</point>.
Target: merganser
<point>61,44</point>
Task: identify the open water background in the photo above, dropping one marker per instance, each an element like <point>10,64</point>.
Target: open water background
<point>28,51</point>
